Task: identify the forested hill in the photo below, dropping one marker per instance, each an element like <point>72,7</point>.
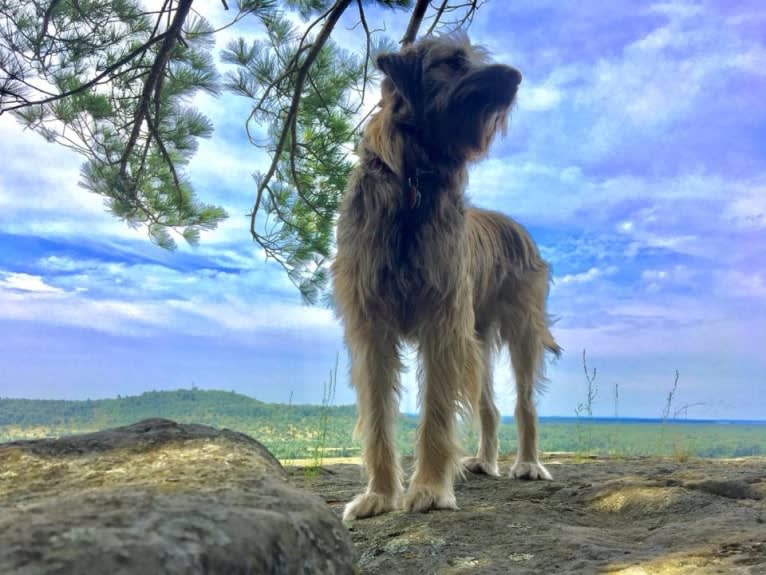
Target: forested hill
<point>220,408</point>
<point>311,431</point>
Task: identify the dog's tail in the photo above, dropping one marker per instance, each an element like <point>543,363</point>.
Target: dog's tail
<point>548,340</point>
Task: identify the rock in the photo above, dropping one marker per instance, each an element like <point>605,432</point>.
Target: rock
<point>160,497</point>
<point>605,515</point>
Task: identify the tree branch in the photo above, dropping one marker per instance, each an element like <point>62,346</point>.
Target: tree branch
<point>300,78</point>
<point>107,71</point>
<point>437,17</point>
<point>415,20</point>
<point>152,84</point>
<point>367,47</point>
<point>47,19</point>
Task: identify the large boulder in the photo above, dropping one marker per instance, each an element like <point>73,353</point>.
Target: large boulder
<point>160,497</point>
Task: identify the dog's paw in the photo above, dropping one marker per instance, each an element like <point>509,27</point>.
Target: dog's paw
<point>368,505</point>
<point>480,466</point>
<point>530,470</point>
<point>426,497</point>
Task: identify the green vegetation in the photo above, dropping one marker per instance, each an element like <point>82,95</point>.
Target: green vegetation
<point>678,439</point>
<point>317,432</point>
<point>289,431</point>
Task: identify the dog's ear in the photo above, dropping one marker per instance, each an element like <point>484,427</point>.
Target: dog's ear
<point>403,69</point>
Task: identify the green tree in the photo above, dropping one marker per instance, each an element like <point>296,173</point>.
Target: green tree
<point>114,80</point>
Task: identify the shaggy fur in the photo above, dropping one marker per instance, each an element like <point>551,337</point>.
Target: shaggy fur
<point>415,264</point>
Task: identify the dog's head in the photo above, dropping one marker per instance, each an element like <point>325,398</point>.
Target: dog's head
<point>446,94</point>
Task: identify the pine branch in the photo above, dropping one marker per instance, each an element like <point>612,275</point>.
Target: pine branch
<point>89,84</point>
<point>152,86</point>
<point>47,19</point>
<point>414,24</point>
<point>437,17</point>
<point>300,78</point>
<point>367,49</point>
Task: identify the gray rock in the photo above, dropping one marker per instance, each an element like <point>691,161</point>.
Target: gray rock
<point>160,497</point>
<point>622,516</point>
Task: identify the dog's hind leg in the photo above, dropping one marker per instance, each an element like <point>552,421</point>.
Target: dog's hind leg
<point>489,418</point>
<point>452,369</point>
<point>526,331</point>
<point>375,365</point>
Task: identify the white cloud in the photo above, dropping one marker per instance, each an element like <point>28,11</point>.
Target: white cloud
<point>653,275</point>
<point>60,308</point>
<point>145,299</point>
<point>250,317</point>
<point>747,209</point>
<point>669,278</point>
<point>677,10</point>
<point>141,298</point>
<point>539,98</point>
<point>580,278</point>
<point>25,283</point>
<point>642,89</point>
<point>40,192</point>
<point>751,61</point>
<point>747,285</point>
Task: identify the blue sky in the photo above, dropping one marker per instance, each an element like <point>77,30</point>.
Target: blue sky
<point>636,156</point>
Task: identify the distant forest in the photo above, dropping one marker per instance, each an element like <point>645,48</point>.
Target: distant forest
<point>289,431</point>
<point>198,405</point>
<point>323,431</point>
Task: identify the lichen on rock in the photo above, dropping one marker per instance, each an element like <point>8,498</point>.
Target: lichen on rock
<point>160,497</point>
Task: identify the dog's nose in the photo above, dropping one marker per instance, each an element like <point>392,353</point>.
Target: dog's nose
<point>515,76</point>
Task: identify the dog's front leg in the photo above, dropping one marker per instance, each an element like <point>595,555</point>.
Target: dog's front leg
<point>452,370</point>
<point>375,365</point>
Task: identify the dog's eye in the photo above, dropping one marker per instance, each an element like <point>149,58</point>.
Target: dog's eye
<point>455,64</point>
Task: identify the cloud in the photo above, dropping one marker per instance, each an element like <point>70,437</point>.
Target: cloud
<point>142,300</point>
<point>539,99</point>
<point>747,208</point>
<point>40,192</point>
<point>57,308</point>
<point>21,282</point>
<point>748,285</point>
<point>655,91</point>
<point>585,277</point>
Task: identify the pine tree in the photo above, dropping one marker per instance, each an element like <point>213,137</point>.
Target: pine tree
<point>114,80</point>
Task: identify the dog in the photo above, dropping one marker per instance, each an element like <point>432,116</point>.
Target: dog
<point>416,264</point>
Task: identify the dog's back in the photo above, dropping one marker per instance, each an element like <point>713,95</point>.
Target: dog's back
<point>509,276</point>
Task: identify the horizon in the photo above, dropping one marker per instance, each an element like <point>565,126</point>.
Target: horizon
<point>635,156</point>
<point>415,414</point>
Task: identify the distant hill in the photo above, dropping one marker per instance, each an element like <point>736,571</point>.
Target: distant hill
<point>198,405</point>
<point>289,431</point>
<point>308,431</point>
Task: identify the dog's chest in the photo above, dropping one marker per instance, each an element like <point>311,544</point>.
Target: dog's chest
<point>405,261</point>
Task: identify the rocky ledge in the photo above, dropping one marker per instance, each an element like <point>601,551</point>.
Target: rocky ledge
<point>627,516</point>
<point>160,497</point>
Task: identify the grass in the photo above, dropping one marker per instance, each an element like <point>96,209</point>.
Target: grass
<point>585,410</point>
<point>311,437</point>
<point>325,419</point>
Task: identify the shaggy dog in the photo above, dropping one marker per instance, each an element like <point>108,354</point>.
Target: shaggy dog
<point>416,264</point>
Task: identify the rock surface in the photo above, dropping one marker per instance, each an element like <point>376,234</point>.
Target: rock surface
<point>160,497</point>
<point>626,516</point>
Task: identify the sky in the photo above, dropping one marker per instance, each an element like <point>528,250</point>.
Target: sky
<point>635,156</point>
